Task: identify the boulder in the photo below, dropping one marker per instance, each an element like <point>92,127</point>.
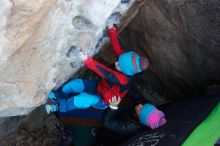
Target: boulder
<point>39,45</point>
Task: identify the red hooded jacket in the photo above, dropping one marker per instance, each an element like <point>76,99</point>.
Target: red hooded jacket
<point>113,83</point>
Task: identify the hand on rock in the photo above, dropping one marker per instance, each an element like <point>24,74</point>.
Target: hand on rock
<point>110,24</point>
<point>83,55</point>
<point>113,20</point>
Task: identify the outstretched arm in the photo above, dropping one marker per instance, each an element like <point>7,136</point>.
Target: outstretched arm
<point>113,35</point>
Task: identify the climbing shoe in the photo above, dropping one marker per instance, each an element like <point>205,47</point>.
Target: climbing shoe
<point>52,96</point>
<point>51,108</point>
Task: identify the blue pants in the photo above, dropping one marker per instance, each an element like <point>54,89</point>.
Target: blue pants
<point>85,95</point>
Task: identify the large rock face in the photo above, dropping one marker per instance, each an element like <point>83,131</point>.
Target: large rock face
<point>35,41</point>
<point>182,40</point>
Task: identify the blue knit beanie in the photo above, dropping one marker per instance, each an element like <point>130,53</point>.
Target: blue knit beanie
<point>145,111</point>
<point>131,63</point>
<point>151,116</point>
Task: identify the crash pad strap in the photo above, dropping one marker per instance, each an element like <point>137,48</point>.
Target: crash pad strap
<point>208,132</point>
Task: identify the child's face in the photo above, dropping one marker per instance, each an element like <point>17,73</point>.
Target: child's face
<point>138,109</point>
<point>117,67</point>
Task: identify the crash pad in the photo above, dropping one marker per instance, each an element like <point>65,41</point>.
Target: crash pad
<point>208,132</point>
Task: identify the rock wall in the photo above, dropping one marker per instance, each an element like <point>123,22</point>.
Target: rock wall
<point>182,40</point>
<point>35,46</point>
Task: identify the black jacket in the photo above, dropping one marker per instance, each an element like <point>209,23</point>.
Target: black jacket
<point>117,126</point>
<point>121,121</point>
<point>124,120</point>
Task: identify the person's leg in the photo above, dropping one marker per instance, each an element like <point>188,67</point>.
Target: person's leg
<point>81,101</point>
<point>90,86</point>
<point>73,86</point>
<point>79,85</point>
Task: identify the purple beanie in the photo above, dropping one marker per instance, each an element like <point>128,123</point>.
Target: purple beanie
<point>151,116</point>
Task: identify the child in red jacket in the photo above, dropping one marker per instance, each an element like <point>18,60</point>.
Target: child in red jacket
<point>112,83</point>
